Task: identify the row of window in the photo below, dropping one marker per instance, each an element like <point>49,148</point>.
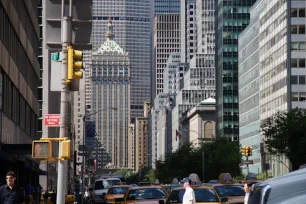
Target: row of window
<point>15,106</point>
<point>298,46</point>
<point>275,87</point>
<point>297,63</point>
<point>298,29</point>
<point>298,80</point>
<point>298,12</point>
<point>275,71</point>
<point>273,104</point>
<point>272,11</point>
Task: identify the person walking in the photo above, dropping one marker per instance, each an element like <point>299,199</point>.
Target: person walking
<point>189,196</point>
<point>11,192</point>
<point>247,188</point>
<point>87,195</point>
<point>29,191</point>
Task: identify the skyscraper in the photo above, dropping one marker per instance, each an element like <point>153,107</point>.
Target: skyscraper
<point>166,6</point>
<point>166,41</point>
<point>110,77</point>
<point>232,18</point>
<point>132,21</point>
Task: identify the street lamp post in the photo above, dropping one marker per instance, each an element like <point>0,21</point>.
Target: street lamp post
<point>84,121</point>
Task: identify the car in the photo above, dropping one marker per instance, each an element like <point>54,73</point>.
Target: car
<point>203,195</point>
<point>289,188</point>
<point>101,187</point>
<point>145,194</point>
<point>116,193</point>
<point>227,188</point>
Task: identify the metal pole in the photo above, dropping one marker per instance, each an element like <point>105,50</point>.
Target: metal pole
<point>203,168</point>
<point>63,165</point>
<point>83,159</point>
<point>247,164</point>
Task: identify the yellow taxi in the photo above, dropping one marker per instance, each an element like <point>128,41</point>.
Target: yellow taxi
<point>203,195</point>
<point>227,188</point>
<point>145,194</point>
<point>116,193</point>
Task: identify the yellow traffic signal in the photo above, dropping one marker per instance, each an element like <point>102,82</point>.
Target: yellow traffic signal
<point>65,149</point>
<point>244,151</point>
<point>41,149</point>
<point>74,64</point>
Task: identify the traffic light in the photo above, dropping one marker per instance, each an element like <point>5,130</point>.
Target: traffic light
<point>250,149</point>
<point>244,151</point>
<point>65,149</point>
<point>74,64</point>
<point>41,149</point>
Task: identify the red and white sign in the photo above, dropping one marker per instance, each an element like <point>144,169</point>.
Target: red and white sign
<point>52,120</point>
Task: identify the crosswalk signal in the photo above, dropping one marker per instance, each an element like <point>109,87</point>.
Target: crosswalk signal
<point>74,64</point>
<point>65,149</point>
<point>41,149</point>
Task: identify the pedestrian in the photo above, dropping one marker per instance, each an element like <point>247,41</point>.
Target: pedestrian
<point>247,188</point>
<point>87,195</point>
<point>38,192</point>
<point>29,190</point>
<point>189,197</point>
<point>11,192</point>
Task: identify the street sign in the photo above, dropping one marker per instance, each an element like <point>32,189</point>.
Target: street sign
<point>55,56</point>
<point>52,120</point>
<point>83,154</point>
<point>249,162</point>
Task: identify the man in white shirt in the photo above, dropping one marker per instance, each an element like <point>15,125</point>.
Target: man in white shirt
<point>189,197</point>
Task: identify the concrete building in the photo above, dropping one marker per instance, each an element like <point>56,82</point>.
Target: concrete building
<point>188,29</point>
<point>166,41</point>
<point>133,23</point>
<point>249,80</point>
<point>141,143</point>
<point>166,6</point>
<point>131,147</point>
<point>19,95</point>
<point>153,119</point>
<point>201,121</point>
<point>170,72</point>
<point>231,19</point>
<point>111,79</point>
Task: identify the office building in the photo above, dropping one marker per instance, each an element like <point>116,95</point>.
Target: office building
<point>170,72</point>
<point>231,19</point>
<point>166,6</point>
<point>110,82</point>
<point>19,82</point>
<point>249,80</point>
<point>133,23</point>
<point>141,143</point>
<point>166,41</point>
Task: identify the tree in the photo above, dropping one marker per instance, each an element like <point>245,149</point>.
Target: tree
<point>220,157</point>
<point>285,135</point>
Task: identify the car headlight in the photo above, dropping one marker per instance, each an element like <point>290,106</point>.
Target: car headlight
<point>110,201</point>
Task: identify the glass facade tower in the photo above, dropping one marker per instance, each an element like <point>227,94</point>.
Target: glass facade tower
<point>232,17</point>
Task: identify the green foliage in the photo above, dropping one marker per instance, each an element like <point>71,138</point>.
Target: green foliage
<point>219,157</point>
<point>263,176</point>
<point>121,171</point>
<point>285,135</point>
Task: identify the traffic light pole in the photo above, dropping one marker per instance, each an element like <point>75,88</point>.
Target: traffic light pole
<point>247,164</point>
<point>62,173</point>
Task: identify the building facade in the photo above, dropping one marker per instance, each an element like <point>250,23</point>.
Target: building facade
<point>19,82</point>
<point>188,29</point>
<point>231,18</point>
<point>166,6</point>
<point>166,41</point>
<point>249,80</point>
<point>111,97</point>
<point>132,20</point>
<point>170,72</point>
<point>141,143</point>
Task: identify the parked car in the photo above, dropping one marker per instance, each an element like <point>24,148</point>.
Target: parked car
<point>101,187</point>
<point>289,188</point>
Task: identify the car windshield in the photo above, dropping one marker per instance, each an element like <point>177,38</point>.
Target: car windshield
<point>202,195</point>
<point>118,190</point>
<point>106,184</point>
<point>146,193</point>
<point>225,191</point>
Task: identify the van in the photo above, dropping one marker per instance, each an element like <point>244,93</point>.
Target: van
<point>289,188</point>
<point>101,186</point>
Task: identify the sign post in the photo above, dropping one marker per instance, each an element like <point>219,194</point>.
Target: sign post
<point>52,120</point>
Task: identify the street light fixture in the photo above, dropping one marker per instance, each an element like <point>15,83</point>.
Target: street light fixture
<point>84,121</point>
